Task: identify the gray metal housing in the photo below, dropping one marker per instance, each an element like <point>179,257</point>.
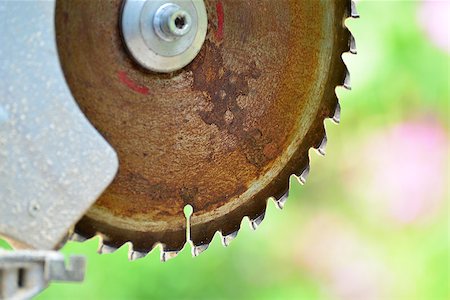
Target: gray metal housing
<point>53,163</point>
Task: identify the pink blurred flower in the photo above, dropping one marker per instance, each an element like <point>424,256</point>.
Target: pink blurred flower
<point>405,170</point>
<point>346,265</point>
<point>434,16</point>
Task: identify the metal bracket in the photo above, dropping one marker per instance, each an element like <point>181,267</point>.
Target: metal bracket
<point>23,274</point>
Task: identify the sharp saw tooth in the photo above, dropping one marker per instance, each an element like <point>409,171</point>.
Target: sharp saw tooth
<point>196,250</point>
<point>134,255</point>
<point>352,44</point>
<point>322,146</point>
<point>347,83</point>
<point>227,239</point>
<point>254,224</point>
<point>353,11</point>
<point>105,249</point>
<point>166,255</point>
<point>337,114</point>
<point>302,178</point>
<point>77,238</point>
<point>282,201</point>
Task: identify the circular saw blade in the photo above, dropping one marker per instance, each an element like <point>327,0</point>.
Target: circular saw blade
<point>223,134</point>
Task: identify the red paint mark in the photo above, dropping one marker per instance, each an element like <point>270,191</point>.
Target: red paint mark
<point>219,10</point>
<point>123,77</point>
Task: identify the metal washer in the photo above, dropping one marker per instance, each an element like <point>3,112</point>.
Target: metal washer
<point>148,49</point>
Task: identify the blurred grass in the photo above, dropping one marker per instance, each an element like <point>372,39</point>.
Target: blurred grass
<point>397,75</point>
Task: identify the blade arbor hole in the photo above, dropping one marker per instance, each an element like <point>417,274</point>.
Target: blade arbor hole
<point>180,22</point>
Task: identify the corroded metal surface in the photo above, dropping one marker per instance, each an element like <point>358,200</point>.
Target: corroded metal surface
<point>224,134</point>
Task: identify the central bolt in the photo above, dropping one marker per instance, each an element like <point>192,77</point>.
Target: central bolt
<point>171,22</point>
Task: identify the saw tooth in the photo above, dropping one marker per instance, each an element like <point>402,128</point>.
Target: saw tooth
<point>134,255</point>
<point>166,255</point>
<point>105,249</point>
<point>302,178</point>
<point>254,224</point>
<point>282,201</point>
<point>227,239</point>
<point>322,146</point>
<point>353,11</point>
<point>197,250</point>
<point>347,83</point>
<point>77,238</point>
<point>337,114</point>
<point>352,44</point>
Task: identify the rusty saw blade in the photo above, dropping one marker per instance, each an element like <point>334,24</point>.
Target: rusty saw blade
<point>224,134</point>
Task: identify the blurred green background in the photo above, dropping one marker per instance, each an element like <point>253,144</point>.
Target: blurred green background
<point>372,220</point>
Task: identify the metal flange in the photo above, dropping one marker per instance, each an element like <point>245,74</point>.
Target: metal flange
<point>163,36</point>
